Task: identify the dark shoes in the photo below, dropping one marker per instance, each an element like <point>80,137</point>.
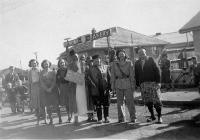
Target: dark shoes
<point>91,120</point>
<point>60,121</point>
<point>151,119</point>
<point>160,121</point>
<point>99,121</point>
<point>106,120</point>
<point>134,121</point>
<point>121,121</point>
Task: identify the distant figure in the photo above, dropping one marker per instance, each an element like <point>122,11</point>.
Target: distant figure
<point>165,71</point>
<point>11,94</point>
<point>147,76</point>
<point>11,77</point>
<point>183,60</point>
<point>21,91</point>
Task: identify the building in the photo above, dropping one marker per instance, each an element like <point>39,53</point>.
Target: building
<point>116,37</point>
<point>193,27</point>
<point>177,43</point>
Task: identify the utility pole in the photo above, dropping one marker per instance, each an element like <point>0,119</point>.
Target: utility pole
<point>36,55</point>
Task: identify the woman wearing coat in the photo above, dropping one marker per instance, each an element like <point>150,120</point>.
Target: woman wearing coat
<point>49,90</point>
<point>123,82</point>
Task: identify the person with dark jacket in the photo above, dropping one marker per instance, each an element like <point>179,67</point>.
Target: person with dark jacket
<point>90,104</point>
<point>147,76</point>
<point>165,71</point>
<point>99,79</point>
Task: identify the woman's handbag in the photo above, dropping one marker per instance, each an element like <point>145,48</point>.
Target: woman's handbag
<point>75,77</point>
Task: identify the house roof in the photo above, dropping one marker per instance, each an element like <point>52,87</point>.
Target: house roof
<point>175,37</point>
<point>193,24</point>
<point>121,37</point>
<point>17,70</point>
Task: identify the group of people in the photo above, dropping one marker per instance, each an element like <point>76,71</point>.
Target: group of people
<point>15,91</point>
<point>49,89</point>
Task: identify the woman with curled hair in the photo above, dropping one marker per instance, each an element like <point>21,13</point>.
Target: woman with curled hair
<point>34,87</point>
<point>49,90</point>
<point>122,81</point>
<point>67,98</point>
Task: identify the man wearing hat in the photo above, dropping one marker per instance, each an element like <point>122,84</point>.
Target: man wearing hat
<point>99,78</point>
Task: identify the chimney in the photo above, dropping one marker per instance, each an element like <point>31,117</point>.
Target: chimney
<point>157,34</point>
<point>93,30</point>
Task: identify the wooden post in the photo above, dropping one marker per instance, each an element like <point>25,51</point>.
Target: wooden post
<point>132,50</point>
<point>108,43</point>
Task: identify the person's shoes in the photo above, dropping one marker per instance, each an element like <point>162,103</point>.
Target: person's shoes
<point>134,121</point>
<point>106,120</point>
<point>91,120</point>
<point>51,122</point>
<point>160,121</point>
<point>99,121</point>
<point>121,121</point>
<point>151,119</point>
<point>69,120</point>
<point>60,121</point>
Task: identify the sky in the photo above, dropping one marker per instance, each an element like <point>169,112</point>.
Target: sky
<point>29,26</point>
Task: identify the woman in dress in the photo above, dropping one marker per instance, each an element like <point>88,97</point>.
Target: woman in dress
<point>50,90</point>
<point>34,88</point>
<point>77,91</point>
<point>66,97</point>
<point>81,97</point>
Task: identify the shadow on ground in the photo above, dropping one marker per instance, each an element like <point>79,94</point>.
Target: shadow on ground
<point>83,130</point>
<point>184,130</point>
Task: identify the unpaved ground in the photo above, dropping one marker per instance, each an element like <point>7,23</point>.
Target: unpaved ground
<point>177,125</point>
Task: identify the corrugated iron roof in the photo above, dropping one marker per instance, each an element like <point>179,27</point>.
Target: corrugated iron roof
<point>193,24</point>
<point>175,37</point>
<point>123,38</point>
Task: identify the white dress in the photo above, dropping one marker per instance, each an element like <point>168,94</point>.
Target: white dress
<point>81,99</point>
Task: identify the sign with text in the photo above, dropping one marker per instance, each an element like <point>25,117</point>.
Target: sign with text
<point>88,37</point>
<point>101,34</point>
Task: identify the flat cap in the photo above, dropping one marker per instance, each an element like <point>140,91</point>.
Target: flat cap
<point>95,56</point>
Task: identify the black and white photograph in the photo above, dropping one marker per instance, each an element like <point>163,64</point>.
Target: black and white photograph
<point>100,69</point>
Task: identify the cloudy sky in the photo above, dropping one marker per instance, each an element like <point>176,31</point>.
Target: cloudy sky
<point>28,26</point>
